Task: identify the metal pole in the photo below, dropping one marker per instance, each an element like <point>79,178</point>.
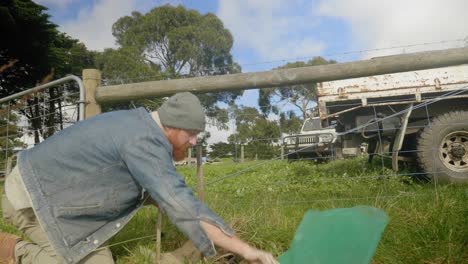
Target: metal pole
<point>201,193</point>
<point>189,156</point>
<point>43,116</point>
<point>291,76</point>
<point>235,147</point>
<point>7,134</point>
<point>242,154</point>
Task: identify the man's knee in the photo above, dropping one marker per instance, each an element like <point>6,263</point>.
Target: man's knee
<point>27,252</point>
<point>7,209</point>
<point>101,256</point>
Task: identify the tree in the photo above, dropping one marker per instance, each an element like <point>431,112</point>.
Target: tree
<point>301,95</point>
<point>24,50</point>
<point>258,133</point>
<point>290,123</point>
<point>126,65</point>
<point>123,64</point>
<point>33,52</point>
<point>182,43</point>
<point>221,150</point>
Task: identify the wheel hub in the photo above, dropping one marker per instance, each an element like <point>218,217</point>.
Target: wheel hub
<point>458,151</point>
<point>453,151</point>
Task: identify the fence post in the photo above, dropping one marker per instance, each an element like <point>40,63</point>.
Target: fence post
<point>242,154</point>
<point>282,152</point>
<point>189,156</point>
<point>201,194</point>
<point>91,80</point>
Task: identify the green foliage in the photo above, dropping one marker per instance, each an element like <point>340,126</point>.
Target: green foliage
<point>34,52</point>
<point>34,47</point>
<point>27,36</point>
<point>251,125</point>
<point>221,150</point>
<point>265,204</point>
<point>259,135</point>
<point>123,64</point>
<point>126,65</point>
<point>174,42</point>
<point>181,41</point>
<point>69,56</point>
<point>290,123</point>
<point>301,95</point>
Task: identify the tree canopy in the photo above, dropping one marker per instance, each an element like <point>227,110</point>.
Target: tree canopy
<point>27,36</point>
<point>181,41</point>
<point>221,150</point>
<point>33,52</point>
<point>177,43</point>
<point>301,95</point>
<point>260,135</point>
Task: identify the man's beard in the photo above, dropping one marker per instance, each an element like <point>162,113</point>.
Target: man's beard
<point>179,153</point>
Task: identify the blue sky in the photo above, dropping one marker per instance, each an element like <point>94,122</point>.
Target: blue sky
<point>270,33</point>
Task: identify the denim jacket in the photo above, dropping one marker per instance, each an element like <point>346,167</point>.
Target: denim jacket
<point>86,182</point>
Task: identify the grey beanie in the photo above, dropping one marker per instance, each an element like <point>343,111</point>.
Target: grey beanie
<point>184,111</point>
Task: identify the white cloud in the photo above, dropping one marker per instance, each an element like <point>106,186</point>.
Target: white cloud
<point>273,29</point>
<point>389,23</point>
<point>218,135</point>
<point>93,25</point>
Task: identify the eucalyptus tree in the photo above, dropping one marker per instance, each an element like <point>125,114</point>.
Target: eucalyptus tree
<point>300,96</point>
<point>260,135</point>
<point>181,43</point>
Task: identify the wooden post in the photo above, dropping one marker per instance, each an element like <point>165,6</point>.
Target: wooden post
<point>201,194</point>
<point>189,156</point>
<point>285,77</point>
<point>158,237</point>
<point>91,81</point>
<point>282,152</point>
<point>242,154</point>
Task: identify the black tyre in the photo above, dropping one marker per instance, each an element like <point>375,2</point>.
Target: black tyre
<point>443,148</point>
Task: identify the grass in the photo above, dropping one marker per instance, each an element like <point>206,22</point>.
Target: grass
<point>428,222</point>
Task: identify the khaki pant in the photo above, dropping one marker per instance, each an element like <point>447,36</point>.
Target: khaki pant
<point>40,251</point>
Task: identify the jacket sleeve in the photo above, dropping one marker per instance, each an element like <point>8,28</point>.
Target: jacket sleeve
<point>150,163</point>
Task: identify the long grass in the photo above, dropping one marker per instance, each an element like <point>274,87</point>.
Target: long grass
<point>428,222</point>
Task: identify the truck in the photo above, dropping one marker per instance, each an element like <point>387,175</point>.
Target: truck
<point>419,117</point>
<point>315,141</point>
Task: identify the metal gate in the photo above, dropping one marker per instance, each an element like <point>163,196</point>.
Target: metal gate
<point>30,116</point>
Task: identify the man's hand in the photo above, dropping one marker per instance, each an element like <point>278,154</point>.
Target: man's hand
<point>258,256</point>
<point>237,246</point>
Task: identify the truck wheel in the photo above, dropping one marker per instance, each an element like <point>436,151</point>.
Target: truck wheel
<point>443,148</point>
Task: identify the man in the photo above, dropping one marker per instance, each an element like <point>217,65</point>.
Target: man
<point>78,188</point>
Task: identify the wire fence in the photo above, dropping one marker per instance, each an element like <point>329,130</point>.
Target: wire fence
<point>365,162</point>
<point>353,158</point>
<point>29,120</point>
<point>341,56</point>
<point>370,140</point>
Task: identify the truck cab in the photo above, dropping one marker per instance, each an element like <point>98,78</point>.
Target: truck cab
<point>314,142</point>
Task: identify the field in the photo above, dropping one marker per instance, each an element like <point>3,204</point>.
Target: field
<point>264,201</point>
